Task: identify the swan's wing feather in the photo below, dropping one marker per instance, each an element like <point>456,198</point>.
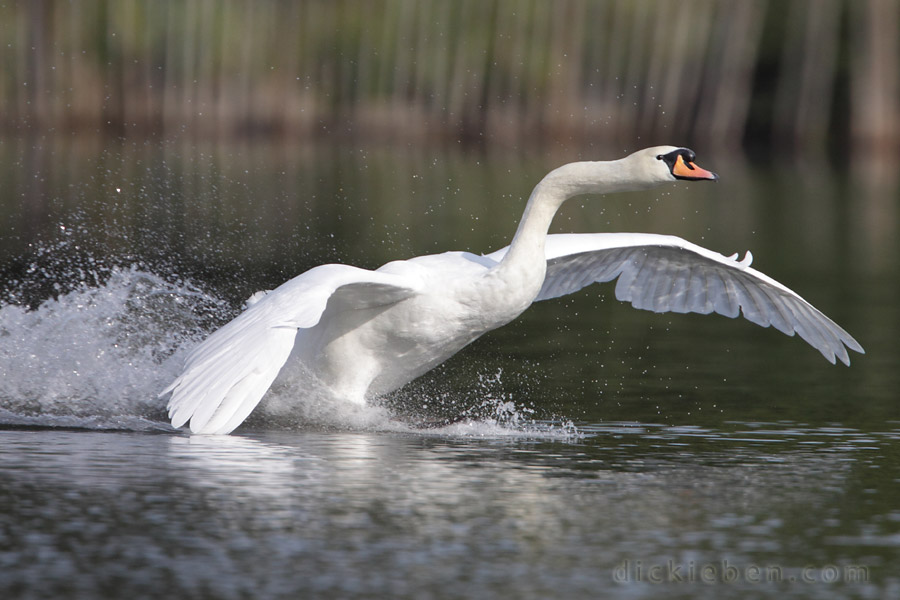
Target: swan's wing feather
<point>226,375</point>
<point>668,274</point>
<point>366,294</point>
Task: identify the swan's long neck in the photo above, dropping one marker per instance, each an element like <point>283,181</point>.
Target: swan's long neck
<point>526,252</point>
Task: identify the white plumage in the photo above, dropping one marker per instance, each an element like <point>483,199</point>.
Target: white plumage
<point>364,333</point>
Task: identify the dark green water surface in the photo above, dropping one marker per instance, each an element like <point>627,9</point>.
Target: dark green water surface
<point>610,452</point>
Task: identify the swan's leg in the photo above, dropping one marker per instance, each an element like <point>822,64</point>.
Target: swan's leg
<point>353,392</point>
<point>348,378</point>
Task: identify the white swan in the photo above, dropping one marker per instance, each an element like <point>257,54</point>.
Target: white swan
<point>365,333</point>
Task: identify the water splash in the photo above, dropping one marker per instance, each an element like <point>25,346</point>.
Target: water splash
<point>483,409</point>
<point>97,354</point>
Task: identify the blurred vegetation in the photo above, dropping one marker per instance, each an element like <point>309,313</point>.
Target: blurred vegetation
<point>804,74</point>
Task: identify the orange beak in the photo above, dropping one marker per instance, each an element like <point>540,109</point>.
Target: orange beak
<point>688,170</point>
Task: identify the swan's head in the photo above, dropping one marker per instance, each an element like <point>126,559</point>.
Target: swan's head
<point>642,170</point>
<point>668,163</point>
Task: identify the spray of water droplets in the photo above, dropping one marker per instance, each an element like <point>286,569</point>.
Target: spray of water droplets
<point>106,338</point>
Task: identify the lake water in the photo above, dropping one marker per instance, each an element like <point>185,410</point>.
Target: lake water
<point>606,452</point>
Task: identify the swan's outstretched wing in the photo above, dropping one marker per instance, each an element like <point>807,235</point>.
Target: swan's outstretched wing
<point>668,274</point>
<point>226,376</point>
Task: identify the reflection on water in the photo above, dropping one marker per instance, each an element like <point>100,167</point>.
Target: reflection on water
<point>277,206</point>
<point>410,515</point>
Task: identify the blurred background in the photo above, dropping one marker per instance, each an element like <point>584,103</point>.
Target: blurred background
<point>804,76</point>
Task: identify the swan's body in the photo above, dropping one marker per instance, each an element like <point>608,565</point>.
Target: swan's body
<point>364,333</point>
